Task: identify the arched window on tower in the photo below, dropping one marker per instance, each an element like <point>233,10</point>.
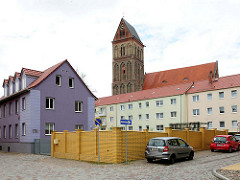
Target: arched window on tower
<point>122,50</point>
<point>116,72</point>
<point>123,72</point>
<point>122,89</point>
<point>129,70</point>
<point>116,52</point>
<point>115,89</point>
<point>129,88</point>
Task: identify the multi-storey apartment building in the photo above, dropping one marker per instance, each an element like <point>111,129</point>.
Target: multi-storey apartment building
<point>215,102</point>
<point>36,103</point>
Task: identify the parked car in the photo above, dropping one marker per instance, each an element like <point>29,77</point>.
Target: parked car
<point>237,136</point>
<point>224,142</point>
<point>169,148</point>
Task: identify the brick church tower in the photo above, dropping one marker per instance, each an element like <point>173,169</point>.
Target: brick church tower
<point>128,60</point>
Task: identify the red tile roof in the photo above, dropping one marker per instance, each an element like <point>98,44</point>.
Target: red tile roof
<point>31,72</point>
<point>220,83</point>
<point>144,94</point>
<point>178,76</point>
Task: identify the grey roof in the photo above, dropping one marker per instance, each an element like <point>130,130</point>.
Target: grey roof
<point>132,30</point>
<point>166,138</point>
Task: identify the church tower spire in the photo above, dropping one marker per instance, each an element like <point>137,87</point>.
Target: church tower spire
<point>128,60</point>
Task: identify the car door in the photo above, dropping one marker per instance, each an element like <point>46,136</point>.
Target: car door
<point>235,143</point>
<point>184,150</point>
<point>174,148</point>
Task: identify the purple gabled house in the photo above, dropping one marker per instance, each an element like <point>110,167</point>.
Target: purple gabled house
<point>35,103</point>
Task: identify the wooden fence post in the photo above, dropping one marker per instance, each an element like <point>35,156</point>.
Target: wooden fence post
<point>78,131</point>
<point>169,131</point>
<point>52,143</point>
<point>188,135</point>
<point>215,131</point>
<point>146,136</point>
<point>202,130</point>
<point>65,142</point>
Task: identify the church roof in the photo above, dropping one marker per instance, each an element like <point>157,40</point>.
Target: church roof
<point>180,75</point>
<point>132,30</point>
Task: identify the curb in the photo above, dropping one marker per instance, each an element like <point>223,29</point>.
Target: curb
<point>214,172</point>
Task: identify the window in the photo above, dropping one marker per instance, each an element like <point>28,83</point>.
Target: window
<point>139,105</point>
<point>16,107</point>
<point>122,108</point>
<point>221,110</point>
<point>23,103</point>
<point>10,131</point>
<point>130,106</point>
<point>23,82</point>
<point>78,106</point>
<point>221,95</point>
<point>159,127</point>
<point>147,127</point>
<point>130,117</point>
<point>222,124</point>
<point>71,82</point>
<point>5,91</point>
<point>140,128</point>
<point>147,116</point>
<point>234,93</point>
<point>103,128</point>
<point>122,117</point>
<point>159,103</point>
<point>209,96</point>
<point>173,101</point>
<point>196,112</point>
<point>49,127</point>
<point>209,111</point>
<point>210,125</point>
<point>58,80</point>
<point>78,126</point>
<point>16,86</point>
<point>23,129</point>
<point>130,128</point>
<point>10,108</point>
<point>139,117</point>
<point>173,114</point>
<point>195,98</point>
<point>4,111</point>
<point>159,115</point>
<point>50,103</point>
<point>10,89</point>
<point>234,124</point>
<point>234,109</point>
<point>147,104</point>
<point>111,108</point>
<point>111,119</point>
<point>16,131</point>
<point>4,132</point>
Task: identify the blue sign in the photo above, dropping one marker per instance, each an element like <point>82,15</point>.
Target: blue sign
<point>126,122</point>
<point>98,121</point>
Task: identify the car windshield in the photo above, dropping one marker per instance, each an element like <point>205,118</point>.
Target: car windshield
<point>220,139</point>
<point>156,142</point>
<point>237,137</point>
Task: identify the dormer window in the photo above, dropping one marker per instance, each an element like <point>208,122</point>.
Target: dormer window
<point>164,81</point>
<point>5,91</point>
<point>16,86</point>
<point>23,82</point>
<point>185,79</point>
<point>10,88</point>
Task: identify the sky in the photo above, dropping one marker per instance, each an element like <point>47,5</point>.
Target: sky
<point>38,34</point>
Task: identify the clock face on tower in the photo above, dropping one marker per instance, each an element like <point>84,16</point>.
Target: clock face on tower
<point>122,26</point>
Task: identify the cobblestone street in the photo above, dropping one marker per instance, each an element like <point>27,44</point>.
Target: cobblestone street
<point>30,166</point>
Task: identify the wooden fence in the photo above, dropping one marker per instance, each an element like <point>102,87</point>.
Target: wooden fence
<point>83,145</point>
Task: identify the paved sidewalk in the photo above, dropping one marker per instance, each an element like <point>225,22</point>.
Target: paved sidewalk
<point>231,172</point>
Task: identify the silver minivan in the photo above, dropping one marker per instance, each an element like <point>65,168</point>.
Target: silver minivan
<point>169,148</point>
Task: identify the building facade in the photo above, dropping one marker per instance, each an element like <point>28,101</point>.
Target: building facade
<point>36,103</point>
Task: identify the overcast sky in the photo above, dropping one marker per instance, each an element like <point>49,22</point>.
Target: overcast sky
<point>38,34</point>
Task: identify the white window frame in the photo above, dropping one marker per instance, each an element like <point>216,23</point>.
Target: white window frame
<point>130,128</point>
<point>23,129</point>
<point>122,117</point>
<point>140,105</point>
<point>147,104</point>
<point>48,103</point>
<point>23,103</point>
<point>10,88</point>
<point>234,109</point>
<point>10,131</point>
<point>130,117</point>
<point>173,114</point>
<point>49,128</point>
<point>173,101</point>
<point>16,86</point>
<point>159,103</point>
<point>10,108</point>
<point>111,119</point>
<point>16,107</point>
<point>78,126</point>
<point>4,132</point>
<point>122,107</point>
<point>16,131</point>
<point>5,91</point>
<point>221,95</point>
<point>210,123</point>
<point>159,127</point>
<point>195,98</point>
<point>209,111</point>
<point>159,115</point>
<point>78,106</point>
<point>147,116</point>
<point>72,82</point>
<point>209,96</point>
<point>140,128</point>
<point>234,123</point>
<point>130,106</point>
<point>221,108</point>
<point>59,77</point>
<point>223,124</point>
<point>140,117</point>
<point>147,127</point>
<point>111,108</point>
<point>196,112</point>
<point>234,93</point>
<point>23,82</point>
<point>4,110</point>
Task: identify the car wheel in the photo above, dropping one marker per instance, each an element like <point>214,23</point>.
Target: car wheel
<point>238,149</point>
<point>172,159</point>
<point>149,160</point>
<point>190,157</point>
<point>230,149</point>
<point>212,150</point>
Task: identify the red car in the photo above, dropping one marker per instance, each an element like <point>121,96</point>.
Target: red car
<point>224,142</point>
